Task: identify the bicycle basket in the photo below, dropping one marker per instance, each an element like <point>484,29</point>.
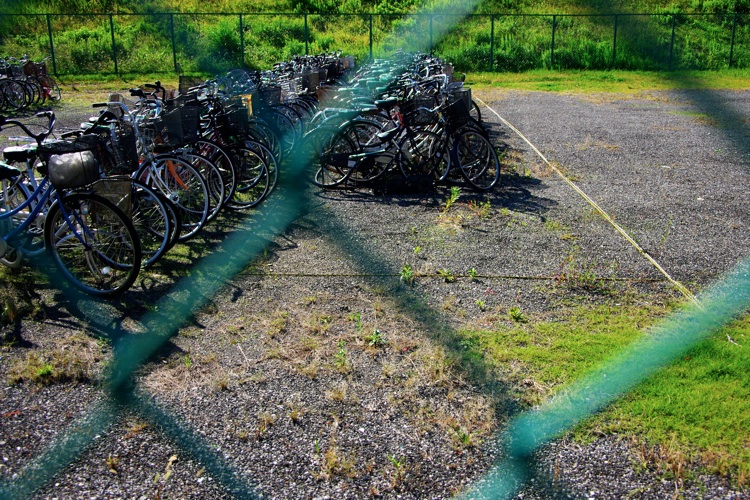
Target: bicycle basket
<point>118,190</point>
<point>237,121</point>
<point>457,113</point>
<point>463,94</point>
<point>170,127</point>
<point>414,111</point>
<point>267,96</point>
<point>191,116</point>
<point>124,149</point>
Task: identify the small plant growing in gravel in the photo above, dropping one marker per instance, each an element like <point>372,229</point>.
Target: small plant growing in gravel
<point>187,361</point>
<point>357,319</point>
<point>447,275</point>
<point>482,209</point>
<point>452,198</point>
<point>112,463</point>
<point>375,339</point>
<point>341,358</point>
<point>481,304</point>
<point>417,251</point>
<point>473,274</point>
<point>517,315</point>
<point>407,274</point>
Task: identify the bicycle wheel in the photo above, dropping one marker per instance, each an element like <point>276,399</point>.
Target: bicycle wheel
<point>213,178</point>
<point>184,186</point>
<point>364,133</point>
<point>253,179</point>
<point>151,220</point>
<point>326,157</point>
<point>50,88</point>
<point>221,157</point>
<point>93,244</point>
<point>16,95</point>
<point>422,155</point>
<point>476,159</point>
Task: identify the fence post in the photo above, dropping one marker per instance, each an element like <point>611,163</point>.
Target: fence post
<point>731,46</point>
<point>431,16</point>
<point>307,35</point>
<point>614,44</point>
<point>370,37</point>
<point>114,48</point>
<point>51,45</point>
<point>671,44</point>
<point>242,43</point>
<point>492,42</point>
<point>552,55</point>
<point>174,45</point>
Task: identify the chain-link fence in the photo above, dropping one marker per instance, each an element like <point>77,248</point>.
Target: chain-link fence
<point>210,42</point>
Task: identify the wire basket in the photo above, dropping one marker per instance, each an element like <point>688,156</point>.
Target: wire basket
<point>416,111</point>
<point>118,189</point>
<point>267,96</point>
<point>123,149</point>
<point>457,113</point>
<point>236,121</point>
<point>165,129</point>
<point>463,94</point>
<point>191,116</point>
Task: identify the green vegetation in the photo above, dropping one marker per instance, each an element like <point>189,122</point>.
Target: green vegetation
<point>179,37</point>
<point>697,408</point>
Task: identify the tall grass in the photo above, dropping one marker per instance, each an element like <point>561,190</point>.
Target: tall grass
<point>153,41</point>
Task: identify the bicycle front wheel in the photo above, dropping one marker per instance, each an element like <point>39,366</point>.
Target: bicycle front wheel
<point>93,244</point>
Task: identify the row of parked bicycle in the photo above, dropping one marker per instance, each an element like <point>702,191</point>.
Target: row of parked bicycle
<point>25,83</point>
<point>110,198</point>
<point>148,171</point>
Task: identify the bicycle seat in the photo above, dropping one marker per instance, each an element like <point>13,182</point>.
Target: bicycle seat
<point>8,172</point>
<point>19,154</point>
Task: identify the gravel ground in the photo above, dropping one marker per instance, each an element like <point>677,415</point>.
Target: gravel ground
<point>279,386</point>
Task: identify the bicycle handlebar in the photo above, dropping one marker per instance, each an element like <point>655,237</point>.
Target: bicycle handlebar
<point>40,137</point>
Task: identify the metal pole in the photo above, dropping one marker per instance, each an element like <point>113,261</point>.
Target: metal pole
<point>242,43</point>
<point>492,42</point>
<point>114,47</point>
<point>51,45</point>
<point>614,44</point>
<point>174,45</point>
<point>370,37</point>
<point>671,44</point>
<point>430,34</point>
<point>307,37</point>
<point>731,46</point>
<point>552,56</point>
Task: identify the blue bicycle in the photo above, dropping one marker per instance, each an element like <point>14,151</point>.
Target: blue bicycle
<point>53,204</point>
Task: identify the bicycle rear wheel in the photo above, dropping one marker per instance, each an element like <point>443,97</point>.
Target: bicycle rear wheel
<point>184,186</point>
<point>152,222</point>
<point>476,159</point>
<point>93,244</point>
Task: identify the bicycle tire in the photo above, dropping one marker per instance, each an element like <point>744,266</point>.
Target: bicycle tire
<point>221,157</point>
<point>476,159</point>
<point>151,220</point>
<point>108,260</point>
<point>421,155</point>
<point>326,157</point>
<point>51,89</point>
<point>253,180</point>
<point>184,186</point>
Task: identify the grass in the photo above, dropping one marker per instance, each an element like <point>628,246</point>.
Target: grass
<point>697,408</point>
<point>621,82</point>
